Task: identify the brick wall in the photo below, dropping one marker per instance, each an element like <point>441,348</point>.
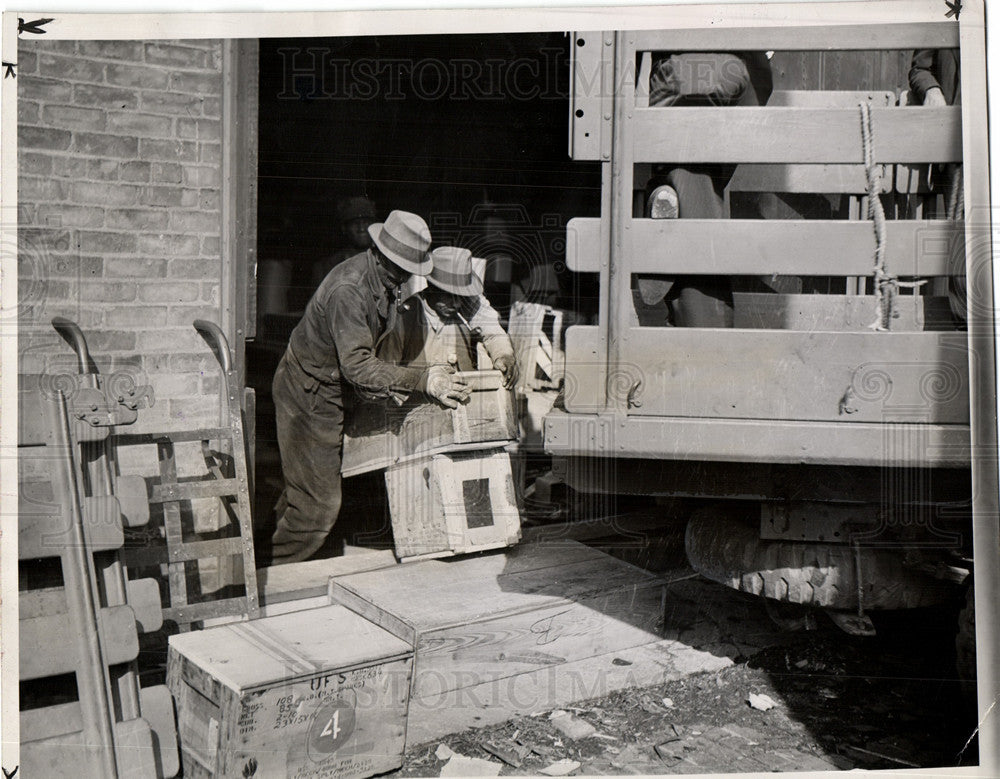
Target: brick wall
<point>119,180</point>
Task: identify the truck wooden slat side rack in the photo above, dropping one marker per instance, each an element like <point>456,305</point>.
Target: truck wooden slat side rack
<point>818,375</point>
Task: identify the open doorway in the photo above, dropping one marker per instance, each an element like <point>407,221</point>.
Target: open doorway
<point>468,131</point>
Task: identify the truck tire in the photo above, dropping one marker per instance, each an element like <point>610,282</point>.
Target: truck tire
<point>965,643</point>
<point>728,549</point>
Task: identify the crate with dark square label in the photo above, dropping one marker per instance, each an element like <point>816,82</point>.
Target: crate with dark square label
<point>453,503</point>
<point>314,694</point>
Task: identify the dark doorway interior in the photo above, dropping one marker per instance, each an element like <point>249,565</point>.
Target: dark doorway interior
<point>469,131</point>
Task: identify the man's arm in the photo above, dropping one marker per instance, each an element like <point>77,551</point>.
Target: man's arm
<point>495,338</point>
<point>923,82</point>
<point>373,378</point>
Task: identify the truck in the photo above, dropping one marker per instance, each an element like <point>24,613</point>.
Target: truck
<point>828,434</point>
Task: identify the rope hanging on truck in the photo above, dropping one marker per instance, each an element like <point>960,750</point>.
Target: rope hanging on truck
<point>886,285</point>
<point>956,197</point>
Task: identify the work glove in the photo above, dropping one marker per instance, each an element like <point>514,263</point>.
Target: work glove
<point>507,365</point>
<point>441,384</point>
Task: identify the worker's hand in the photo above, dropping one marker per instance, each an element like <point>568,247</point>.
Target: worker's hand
<point>934,97</point>
<point>507,365</point>
<point>446,388</point>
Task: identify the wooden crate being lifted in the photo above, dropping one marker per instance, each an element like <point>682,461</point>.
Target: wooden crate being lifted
<point>314,695</point>
<point>378,435</point>
<point>447,471</point>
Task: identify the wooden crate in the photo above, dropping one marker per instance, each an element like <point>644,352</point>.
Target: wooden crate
<point>455,503</point>
<point>537,333</point>
<point>480,624</point>
<point>314,694</point>
<point>378,435</point>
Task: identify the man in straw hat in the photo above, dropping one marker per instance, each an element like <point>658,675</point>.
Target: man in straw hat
<point>445,320</point>
<point>331,352</point>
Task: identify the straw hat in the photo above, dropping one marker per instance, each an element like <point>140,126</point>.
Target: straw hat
<point>404,238</point>
<point>453,272</point>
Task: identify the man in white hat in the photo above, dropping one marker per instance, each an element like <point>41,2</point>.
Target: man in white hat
<point>332,353</point>
<point>445,320</point>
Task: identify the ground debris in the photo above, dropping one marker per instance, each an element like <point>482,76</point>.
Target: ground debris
<point>633,756</point>
<point>761,702</point>
<point>560,768</point>
<point>669,750</point>
<point>459,765</point>
<point>816,683</point>
<point>570,726</point>
<point>443,752</point>
<point>512,754</point>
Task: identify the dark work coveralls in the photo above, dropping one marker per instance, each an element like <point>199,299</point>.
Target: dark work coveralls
<point>331,354</point>
<point>692,79</point>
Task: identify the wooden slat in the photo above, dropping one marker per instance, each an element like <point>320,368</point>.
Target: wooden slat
<point>131,494</point>
<point>812,179</point>
<point>586,368</point>
<point>200,550</point>
<point>914,35</point>
<point>50,722</point>
<point>57,634</point>
<point>47,535</point>
<point>812,135</point>
<point>135,753</point>
<point>46,602</point>
<point>210,488</point>
<point>810,376</point>
<point>191,612</point>
<point>802,177</point>
<point>757,441</point>
<point>797,247</point>
<point>157,706</point>
<point>176,573</point>
<point>74,754</point>
<point>589,132</point>
<point>830,98</point>
<point>843,313</point>
<point>144,598</point>
<point>177,436</point>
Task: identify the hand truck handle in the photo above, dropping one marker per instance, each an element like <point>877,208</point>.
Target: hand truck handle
<point>73,335</point>
<point>216,339</point>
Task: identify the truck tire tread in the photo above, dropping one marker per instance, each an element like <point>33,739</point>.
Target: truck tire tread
<point>728,550</point>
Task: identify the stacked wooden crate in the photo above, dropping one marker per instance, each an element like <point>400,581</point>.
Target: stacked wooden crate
<point>522,630</point>
<point>315,694</point>
<point>447,471</point>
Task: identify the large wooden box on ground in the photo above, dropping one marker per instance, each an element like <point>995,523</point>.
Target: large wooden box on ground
<point>312,694</point>
<point>453,503</point>
<point>514,630</point>
<point>378,435</point>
